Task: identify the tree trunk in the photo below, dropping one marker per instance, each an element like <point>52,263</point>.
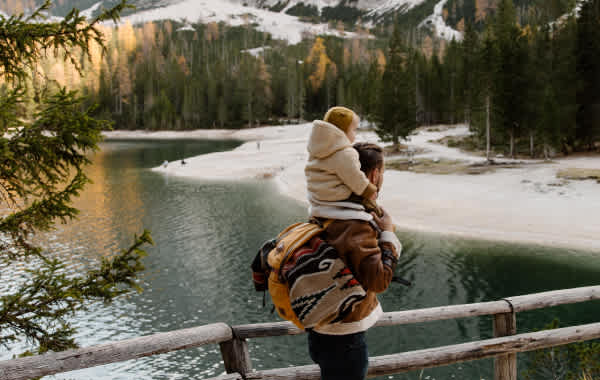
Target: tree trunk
<point>418,101</point>
<point>250,114</point>
<point>531,152</point>
<point>487,127</point>
<point>452,106</point>
<point>512,144</point>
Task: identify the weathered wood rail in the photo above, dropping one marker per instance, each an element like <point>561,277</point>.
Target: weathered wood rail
<point>234,348</point>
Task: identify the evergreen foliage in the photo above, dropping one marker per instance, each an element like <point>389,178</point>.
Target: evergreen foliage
<point>308,12</point>
<point>588,66</point>
<point>45,137</point>
<point>476,12</point>
<point>279,6</point>
<point>342,12</point>
<point>397,116</point>
<point>576,361</point>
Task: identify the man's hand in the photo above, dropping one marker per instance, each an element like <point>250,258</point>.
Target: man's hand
<point>374,196</point>
<point>385,222</point>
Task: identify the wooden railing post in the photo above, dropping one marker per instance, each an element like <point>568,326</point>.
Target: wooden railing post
<point>505,366</point>
<point>236,356</point>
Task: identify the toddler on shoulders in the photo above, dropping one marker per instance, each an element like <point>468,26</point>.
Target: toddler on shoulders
<point>333,170</point>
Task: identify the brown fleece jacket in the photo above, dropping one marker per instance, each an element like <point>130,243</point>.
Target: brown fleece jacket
<point>357,244</point>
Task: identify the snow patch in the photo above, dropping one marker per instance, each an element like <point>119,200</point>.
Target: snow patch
<point>436,20</point>
<point>256,51</point>
<point>186,27</point>
<point>90,11</point>
<point>574,12</point>
<point>377,8</point>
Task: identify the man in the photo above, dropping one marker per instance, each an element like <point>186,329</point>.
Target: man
<point>368,246</point>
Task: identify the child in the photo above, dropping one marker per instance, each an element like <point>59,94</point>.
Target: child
<point>333,169</point>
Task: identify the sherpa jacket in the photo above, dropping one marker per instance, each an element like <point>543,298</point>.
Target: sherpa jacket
<point>333,169</point>
<point>366,250</point>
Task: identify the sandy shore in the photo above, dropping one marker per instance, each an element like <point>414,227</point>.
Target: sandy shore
<point>527,204</point>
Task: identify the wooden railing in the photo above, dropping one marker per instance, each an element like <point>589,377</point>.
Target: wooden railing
<point>234,348</point>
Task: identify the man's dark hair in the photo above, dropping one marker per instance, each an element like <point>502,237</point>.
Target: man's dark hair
<point>370,156</point>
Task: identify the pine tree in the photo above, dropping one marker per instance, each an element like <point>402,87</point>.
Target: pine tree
<point>470,65</point>
<point>487,59</point>
<point>371,97</point>
<point>43,159</point>
<point>588,70</point>
<point>565,82</point>
<point>510,86</point>
<point>397,113</point>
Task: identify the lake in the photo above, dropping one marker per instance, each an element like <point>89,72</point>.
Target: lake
<point>206,235</point>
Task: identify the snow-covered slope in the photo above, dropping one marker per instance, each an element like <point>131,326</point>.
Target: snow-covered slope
<point>89,13</point>
<point>239,12</point>
<point>280,25</point>
<point>375,6</point>
<point>378,7</point>
<point>436,21</point>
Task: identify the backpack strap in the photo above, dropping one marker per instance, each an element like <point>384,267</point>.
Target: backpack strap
<point>320,223</point>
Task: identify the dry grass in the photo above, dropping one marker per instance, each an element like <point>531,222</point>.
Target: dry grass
<point>579,174</point>
<point>401,150</point>
<point>585,376</point>
<point>446,166</point>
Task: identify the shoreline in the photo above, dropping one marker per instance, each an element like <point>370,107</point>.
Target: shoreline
<point>527,205</point>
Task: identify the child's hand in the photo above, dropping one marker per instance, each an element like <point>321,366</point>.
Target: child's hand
<point>385,222</point>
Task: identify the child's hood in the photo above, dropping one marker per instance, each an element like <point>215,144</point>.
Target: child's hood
<point>325,139</point>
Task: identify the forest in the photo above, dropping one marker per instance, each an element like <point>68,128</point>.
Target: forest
<point>531,84</point>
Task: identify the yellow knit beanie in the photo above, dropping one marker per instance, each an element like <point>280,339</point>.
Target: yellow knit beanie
<point>341,117</point>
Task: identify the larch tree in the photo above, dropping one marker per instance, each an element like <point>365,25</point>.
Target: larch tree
<point>43,155</point>
<point>322,65</point>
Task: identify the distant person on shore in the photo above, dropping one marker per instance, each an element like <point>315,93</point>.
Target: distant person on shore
<point>333,169</point>
<point>367,244</point>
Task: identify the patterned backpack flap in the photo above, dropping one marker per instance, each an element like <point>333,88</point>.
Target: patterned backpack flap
<point>322,289</point>
<point>288,241</point>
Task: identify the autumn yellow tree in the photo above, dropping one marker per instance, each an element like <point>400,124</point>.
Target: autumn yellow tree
<point>321,65</point>
<point>127,44</point>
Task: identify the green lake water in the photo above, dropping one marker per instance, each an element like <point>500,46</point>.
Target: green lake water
<point>206,235</point>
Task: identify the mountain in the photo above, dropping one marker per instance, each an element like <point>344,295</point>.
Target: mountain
<point>291,19</point>
<point>284,19</point>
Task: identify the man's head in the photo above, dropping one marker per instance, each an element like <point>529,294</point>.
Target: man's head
<point>345,119</point>
<point>371,162</point>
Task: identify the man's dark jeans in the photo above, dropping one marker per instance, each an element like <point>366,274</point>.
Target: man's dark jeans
<point>340,357</point>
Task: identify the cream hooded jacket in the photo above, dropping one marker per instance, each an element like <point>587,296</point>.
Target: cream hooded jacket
<point>333,169</point>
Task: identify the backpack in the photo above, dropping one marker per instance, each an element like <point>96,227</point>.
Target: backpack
<point>308,282</point>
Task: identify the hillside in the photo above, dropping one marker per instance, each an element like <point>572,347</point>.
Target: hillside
<point>291,19</point>
<point>284,19</point>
